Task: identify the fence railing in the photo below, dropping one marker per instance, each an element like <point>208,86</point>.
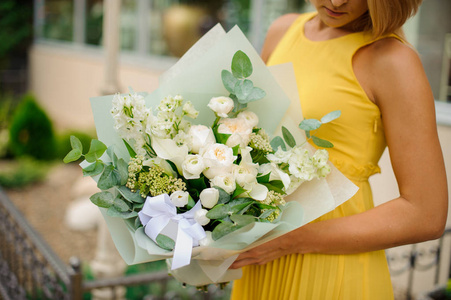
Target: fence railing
<point>29,269</point>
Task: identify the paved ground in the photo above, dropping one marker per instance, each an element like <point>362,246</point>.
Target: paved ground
<point>45,205</point>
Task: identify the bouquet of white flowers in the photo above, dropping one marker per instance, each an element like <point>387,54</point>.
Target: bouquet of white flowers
<point>199,187</point>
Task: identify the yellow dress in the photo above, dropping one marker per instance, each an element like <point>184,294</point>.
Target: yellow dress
<point>326,82</point>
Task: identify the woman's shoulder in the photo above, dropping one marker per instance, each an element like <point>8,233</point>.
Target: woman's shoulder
<point>275,33</point>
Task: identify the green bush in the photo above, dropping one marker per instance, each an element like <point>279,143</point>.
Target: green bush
<point>22,172</point>
<point>31,132</point>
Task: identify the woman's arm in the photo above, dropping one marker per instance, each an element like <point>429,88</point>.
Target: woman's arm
<point>398,85</point>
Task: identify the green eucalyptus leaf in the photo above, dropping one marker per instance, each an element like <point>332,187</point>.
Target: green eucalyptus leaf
<point>76,143</point>
<point>96,150</point>
<point>331,116</point>
<point>228,80</point>
<point>224,197</point>
<point>134,197</point>
<point>73,155</point>
<point>165,242</point>
<point>108,179</point>
<point>222,229</point>
<point>122,169</point>
<point>112,155</point>
<point>310,124</point>
<point>241,65</point>
<point>277,142</point>
<point>102,199</point>
<point>120,205</point>
<point>288,137</point>
<point>114,212</point>
<point>242,220</point>
<point>321,143</point>
<point>93,169</point>
<point>266,213</point>
<point>307,133</point>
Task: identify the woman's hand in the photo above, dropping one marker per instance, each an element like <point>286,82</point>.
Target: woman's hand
<point>264,253</point>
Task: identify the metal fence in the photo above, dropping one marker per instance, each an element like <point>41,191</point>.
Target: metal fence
<point>29,269</point>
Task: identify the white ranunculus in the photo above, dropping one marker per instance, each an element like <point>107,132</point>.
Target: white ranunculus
<point>239,130</point>
<point>201,136</point>
<point>209,197</point>
<point>249,117</point>
<point>179,198</point>
<point>225,182</point>
<point>218,158</point>
<point>280,156</point>
<point>206,241</point>
<point>189,110</point>
<point>193,166</point>
<point>221,106</point>
<point>200,216</point>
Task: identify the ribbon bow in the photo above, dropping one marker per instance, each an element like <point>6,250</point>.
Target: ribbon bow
<point>159,215</point>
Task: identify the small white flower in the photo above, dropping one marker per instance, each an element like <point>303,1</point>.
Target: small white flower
<point>249,117</point>
<point>323,171</point>
<point>192,166</point>
<point>209,197</point>
<point>221,106</point>
<point>130,114</point>
<point>301,164</point>
<point>170,104</point>
<point>320,158</point>
<point>200,216</point>
<point>189,110</point>
<point>226,182</point>
<point>180,198</point>
<point>201,136</point>
<point>183,138</point>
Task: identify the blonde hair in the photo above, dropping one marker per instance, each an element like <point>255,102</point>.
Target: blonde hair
<point>388,16</point>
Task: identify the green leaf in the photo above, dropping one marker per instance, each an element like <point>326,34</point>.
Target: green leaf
<point>307,133</point>
<point>129,195</point>
<point>310,124</point>
<point>228,80</point>
<point>321,143</point>
<point>288,137</point>
<point>102,199</point>
<point>246,92</point>
<point>76,143</point>
<point>236,149</point>
<point>242,220</point>
<point>276,186</point>
<point>198,183</point>
<point>221,211</point>
<point>93,169</point>
<point>73,155</point>
<point>238,191</point>
<point>266,213</point>
<point>108,179</point>
<point>120,205</point>
<point>191,203</point>
<point>122,169</point>
<point>96,150</point>
<point>223,229</point>
<point>331,116</point>
<point>112,155</point>
<point>277,142</point>
<point>165,242</point>
<point>130,150</point>
<point>113,212</point>
<point>237,106</point>
<point>241,65</point>
<point>263,178</point>
<point>224,197</point>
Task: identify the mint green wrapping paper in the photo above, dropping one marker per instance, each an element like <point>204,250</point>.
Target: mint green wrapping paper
<point>197,76</point>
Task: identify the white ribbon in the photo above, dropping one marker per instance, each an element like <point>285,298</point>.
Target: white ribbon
<point>159,213</point>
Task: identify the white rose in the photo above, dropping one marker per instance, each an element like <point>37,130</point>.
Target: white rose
<point>240,131</point>
<point>200,216</point>
<point>193,166</point>
<point>209,197</point>
<point>206,240</point>
<point>201,136</point>
<point>221,106</point>
<point>180,198</point>
<point>249,117</point>
<point>226,182</point>
<point>189,110</point>
<point>218,158</point>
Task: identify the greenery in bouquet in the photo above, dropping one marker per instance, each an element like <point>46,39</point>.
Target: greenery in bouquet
<point>219,178</point>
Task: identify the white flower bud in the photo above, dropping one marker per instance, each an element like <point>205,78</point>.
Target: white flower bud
<point>209,197</point>
<point>200,216</point>
<point>221,106</point>
<point>180,198</point>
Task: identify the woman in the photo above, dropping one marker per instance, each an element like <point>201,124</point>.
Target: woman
<point>351,55</point>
